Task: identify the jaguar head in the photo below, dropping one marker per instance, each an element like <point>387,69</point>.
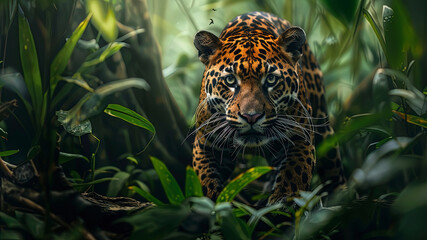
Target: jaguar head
<point>249,82</point>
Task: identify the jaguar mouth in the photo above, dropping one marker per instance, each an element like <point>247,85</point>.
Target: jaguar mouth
<point>251,138</point>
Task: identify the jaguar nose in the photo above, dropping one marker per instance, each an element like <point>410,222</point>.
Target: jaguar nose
<point>252,118</point>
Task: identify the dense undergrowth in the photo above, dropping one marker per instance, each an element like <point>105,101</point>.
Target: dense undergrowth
<point>372,56</point>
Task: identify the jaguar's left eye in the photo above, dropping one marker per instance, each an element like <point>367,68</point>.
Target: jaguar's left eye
<point>271,80</point>
<point>230,81</point>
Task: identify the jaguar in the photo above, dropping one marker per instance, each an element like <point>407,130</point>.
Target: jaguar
<point>262,91</point>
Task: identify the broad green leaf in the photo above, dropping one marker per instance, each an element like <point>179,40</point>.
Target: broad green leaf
<point>99,56</point>
<point>129,116</point>
<point>236,185</point>
<point>419,121</point>
<point>413,197</point>
<point>103,18</point>
<point>114,187</point>
<point>415,99</point>
<point>231,228</point>
<point>193,188</point>
<point>170,186</point>
<point>157,223</point>
<point>146,195</point>
<point>16,83</point>
<point>9,221</point>
<point>8,153</point>
<point>30,66</point>
<point>66,157</point>
<point>94,102</point>
<point>60,61</point>
<point>78,129</point>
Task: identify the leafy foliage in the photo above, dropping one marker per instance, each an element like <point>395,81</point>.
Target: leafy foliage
<point>381,129</point>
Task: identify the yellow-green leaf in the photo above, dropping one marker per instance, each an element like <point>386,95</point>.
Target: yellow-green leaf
<point>61,59</point>
<point>419,121</point>
<point>129,116</point>
<point>103,18</point>
<point>146,195</point>
<point>170,185</point>
<point>236,185</point>
<point>30,65</point>
<point>193,188</point>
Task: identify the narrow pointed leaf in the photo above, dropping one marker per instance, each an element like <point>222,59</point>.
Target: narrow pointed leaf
<point>236,185</point>
<point>170,185</point>
<point>103,18</point>
<point>61,59</point>
<point>30,64</point>
<point>66,157</point>
<point>99,56</point>
<point>146,195</point>
<point>419,121</point>
<point>129,116</point>
<point>376,29</point>
<point>193,188</point>
<point>8,153</point>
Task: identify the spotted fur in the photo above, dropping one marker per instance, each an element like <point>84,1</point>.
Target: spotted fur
<point>262,89</point>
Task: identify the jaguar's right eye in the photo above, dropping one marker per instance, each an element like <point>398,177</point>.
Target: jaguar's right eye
<point>230,81</point>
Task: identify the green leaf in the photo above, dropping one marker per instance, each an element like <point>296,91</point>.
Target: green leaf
<point>146,195</point>
<point>132,159</point>
<point>157,223</point>
<point>99,56</point>
<point>419,121</point>
<point>230,226</point>
<point>8,153</point>
<point>106,169</point>
<point>376,29</point>
<point>413,197</point>
<point>103,18</point>
<point>94,102</point>
<point>114,187</point>
<point>236,185</point>
<point>351,126</point>
<point>66,157</point>
<point>77,129</point>
<point>15,82</point>
<point>60,61</point>
<point>129,116</point>
<point>30,66</point>
<point>79,82</point>
<point>193,188</point>
<point>101,180</point>
<point>342,10</point>
<point>170,186</point>
<point>9,221</point>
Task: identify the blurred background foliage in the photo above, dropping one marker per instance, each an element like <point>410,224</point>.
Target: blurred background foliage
<point>371,52</point>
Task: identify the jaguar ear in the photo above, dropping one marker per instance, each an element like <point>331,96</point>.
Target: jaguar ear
<point>291,41</point>
<point>206,43</point>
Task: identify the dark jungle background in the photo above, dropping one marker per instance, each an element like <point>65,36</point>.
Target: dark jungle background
<point>97,106</point>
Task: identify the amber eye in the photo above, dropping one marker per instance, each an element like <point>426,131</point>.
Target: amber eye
<point>271,80</point>
<point>230,81</point>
